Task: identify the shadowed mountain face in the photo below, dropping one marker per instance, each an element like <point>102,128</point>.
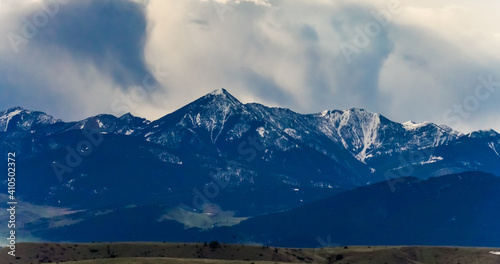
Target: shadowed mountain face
<point>453,210</point>
<point>460,209</point>
<point>248,159</point>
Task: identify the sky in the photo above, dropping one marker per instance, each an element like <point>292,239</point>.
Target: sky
<point>422,60</point>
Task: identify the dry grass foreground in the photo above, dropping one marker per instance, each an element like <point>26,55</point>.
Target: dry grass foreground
<point>167,253</point>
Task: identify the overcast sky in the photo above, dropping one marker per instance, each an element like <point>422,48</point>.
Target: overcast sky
<point>422,60</point>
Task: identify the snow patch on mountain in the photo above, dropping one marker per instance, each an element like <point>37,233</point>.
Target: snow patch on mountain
<point>324,113</point>
<point>5,119</point>
<point>262,131</point>
<point>293,133</point>
<point>410,125</point>
<point>100,124</point>
<point>219,91</point>
<point>356,129</point>
<point>432,159</point>
<point>483,133</point>
<point>370,136</point>
<point>166,157</point>
<point>493,147</point>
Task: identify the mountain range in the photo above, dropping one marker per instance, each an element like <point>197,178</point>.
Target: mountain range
<point>217,162</point>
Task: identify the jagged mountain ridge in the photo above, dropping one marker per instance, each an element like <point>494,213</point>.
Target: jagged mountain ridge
<point>18,118</point>
<point>360,132</point>
<point>273,146</point>
<point>219,117</point>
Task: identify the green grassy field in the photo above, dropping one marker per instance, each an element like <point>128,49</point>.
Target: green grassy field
<point>166,253</point>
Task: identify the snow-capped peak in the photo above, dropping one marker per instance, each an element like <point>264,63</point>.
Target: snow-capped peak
<point>483,133</point>
<point>128,117</point>
<point>324,113</point>
<point>16,108</point>
<point>6,116</point>
<point>220,91</point>
<point>220,95</point>
<point>22,118</point>
<point>410,125</point>
<point>13,111</point>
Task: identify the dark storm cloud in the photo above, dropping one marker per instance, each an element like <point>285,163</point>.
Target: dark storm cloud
<point>76,60</point>
<point>110,33</point>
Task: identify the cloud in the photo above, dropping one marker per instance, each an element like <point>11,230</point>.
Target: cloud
<point>289,54</point>
<point>71,58</point>
<point>416,62</point>
<point>109,33</point>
